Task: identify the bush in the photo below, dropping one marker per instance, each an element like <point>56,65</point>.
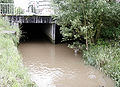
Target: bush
<point>87,19</point>
<point>106,57</point>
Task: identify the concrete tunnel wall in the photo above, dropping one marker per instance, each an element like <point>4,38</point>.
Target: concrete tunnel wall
<point>50,31</point>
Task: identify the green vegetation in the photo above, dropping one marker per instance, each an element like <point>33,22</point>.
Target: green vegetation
<point>94,27</point>
<point>18,10</point>
<point>87,20</point>
<point>106,57</point>
<point>12,71</point>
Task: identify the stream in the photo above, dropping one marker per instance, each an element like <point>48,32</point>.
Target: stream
<point>52,65</point>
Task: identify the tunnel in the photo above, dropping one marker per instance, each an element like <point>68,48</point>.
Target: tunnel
<point>40,32</point>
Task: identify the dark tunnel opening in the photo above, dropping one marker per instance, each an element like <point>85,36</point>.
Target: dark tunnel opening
<point>32,32</point>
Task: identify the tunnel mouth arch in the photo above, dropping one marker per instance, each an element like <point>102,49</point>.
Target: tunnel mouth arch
<point>40,32</point>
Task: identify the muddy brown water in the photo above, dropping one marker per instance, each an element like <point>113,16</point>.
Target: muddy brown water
<point>56,66</point>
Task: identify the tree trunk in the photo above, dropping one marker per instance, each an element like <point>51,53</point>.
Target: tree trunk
<point>97,36</point>
<point>98,31</point>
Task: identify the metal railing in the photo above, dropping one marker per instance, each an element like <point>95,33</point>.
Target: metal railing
<point>39,9</point>
<point>6,8</point>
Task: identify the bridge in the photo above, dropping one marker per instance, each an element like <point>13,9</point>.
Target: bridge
<point>38,12</point>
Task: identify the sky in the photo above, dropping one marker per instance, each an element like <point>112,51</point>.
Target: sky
<point>21,3</point>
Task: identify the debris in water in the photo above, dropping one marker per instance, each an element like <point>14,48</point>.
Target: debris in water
<point>92,76</point>
<point>76,51</point>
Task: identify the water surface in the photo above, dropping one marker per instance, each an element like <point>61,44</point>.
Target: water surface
<point>56,66</point>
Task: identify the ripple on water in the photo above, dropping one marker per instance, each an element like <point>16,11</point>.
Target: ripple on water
<point>57,66</point>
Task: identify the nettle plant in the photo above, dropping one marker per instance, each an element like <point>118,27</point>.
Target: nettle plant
<point>87,20</point>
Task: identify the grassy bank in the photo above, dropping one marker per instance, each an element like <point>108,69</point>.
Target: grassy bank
<point>12,71</point>
<point>106,57</point>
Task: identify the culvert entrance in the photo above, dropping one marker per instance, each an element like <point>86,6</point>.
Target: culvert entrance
<point>40,32</point>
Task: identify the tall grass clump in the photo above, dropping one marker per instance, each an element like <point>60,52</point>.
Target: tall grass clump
<point>12,71</point>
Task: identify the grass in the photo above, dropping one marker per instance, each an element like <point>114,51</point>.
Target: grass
<point>12,71</point>
<point>106,57</point>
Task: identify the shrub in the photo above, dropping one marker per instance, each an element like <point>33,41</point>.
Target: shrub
<point>87,19</point>
<point>106,57</point>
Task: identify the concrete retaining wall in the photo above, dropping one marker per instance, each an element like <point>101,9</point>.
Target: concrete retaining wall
<point>49,30</point>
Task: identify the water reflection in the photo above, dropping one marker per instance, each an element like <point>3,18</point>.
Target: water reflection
<point>57,66</point>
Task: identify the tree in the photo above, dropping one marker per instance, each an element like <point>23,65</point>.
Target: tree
<point>86,19</point>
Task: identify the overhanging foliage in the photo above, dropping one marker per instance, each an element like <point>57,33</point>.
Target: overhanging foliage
<point>87,19</point>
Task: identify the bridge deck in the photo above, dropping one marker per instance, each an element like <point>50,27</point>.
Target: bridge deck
<point>29,19</point>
